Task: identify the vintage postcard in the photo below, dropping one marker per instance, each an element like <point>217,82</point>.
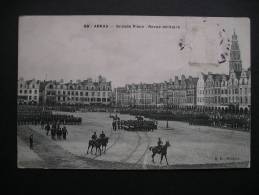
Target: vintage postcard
<point>133,92</point>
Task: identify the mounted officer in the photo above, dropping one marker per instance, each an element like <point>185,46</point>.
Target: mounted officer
<point>159,144</point>
<point>102,135</point>
<point>94,136</point>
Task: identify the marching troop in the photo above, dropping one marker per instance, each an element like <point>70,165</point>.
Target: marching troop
<point>34,115</point>
<point>195,117</point>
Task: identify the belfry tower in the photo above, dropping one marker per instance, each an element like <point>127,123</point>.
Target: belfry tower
<point>235,63</point>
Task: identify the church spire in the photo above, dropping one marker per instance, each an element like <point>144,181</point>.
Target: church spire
<point>235,63</point>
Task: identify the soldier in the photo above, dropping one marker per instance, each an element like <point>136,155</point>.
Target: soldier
<point>59,132</point>
<point>64,132</point>
<point>159,143</point>
<point>53,132</point>
<point>47,128</point>
<point>118,124</point>
<point>115,125</point>
<point>94,136</point>
<point>102,135</point>
<point>31,141</point>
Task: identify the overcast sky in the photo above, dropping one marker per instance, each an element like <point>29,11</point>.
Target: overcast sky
<point>56,47</point>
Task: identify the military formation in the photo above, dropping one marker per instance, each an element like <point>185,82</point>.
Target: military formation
<point>219,119</point>
<point>133,125</point>
<point>35,115</point>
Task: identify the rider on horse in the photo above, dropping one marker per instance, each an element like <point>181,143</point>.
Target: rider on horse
<point>94,136</point>
<point>102,135</point>
<point>159,144</point>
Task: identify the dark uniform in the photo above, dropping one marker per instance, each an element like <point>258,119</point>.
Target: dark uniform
<point>31,141</point>
<point>47,128</point>
<point>159,144</point>
<point>102,135</point>
<point>64,132</point>
<point>94,136</point>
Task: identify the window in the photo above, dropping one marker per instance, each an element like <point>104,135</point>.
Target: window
<point>98,94</point>
<point>81,93</point>
<point>72,93</point>
<point>103,94</point>
<point>92,93</point>
<point>246,91</point>
<point>35,97</point>
<point>64,92</point>
<point>20,91</point>
<point>68,92</point>
<point>29,97</point>
<point>29,91</point>
<point>25,91</point>
<point>76,92</point>
<point>86,93</point>
<point>20,85</point>
<point>35,91</point>
<point>33,86</point>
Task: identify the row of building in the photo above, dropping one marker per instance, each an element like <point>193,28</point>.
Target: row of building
<point>207,90</point>
<point>60,92</point>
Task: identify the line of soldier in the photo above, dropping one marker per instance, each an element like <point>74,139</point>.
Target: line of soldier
<point>36,115</point>
<point>56,131</point>
<point>38,118</point>
<point>214,118</point>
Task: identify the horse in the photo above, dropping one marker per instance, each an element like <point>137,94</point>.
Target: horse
<point>160,150</point>
<point>104,142</point>
<point>94,144</point>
